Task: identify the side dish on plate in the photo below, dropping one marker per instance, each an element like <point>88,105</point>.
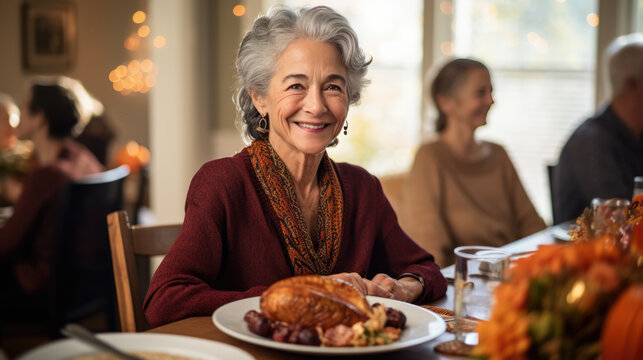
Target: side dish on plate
<point>320,310</point>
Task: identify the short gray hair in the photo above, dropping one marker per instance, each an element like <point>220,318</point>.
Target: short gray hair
<point>624,60</point>
<point>269,37</point>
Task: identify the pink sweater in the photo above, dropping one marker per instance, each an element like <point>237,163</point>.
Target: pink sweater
<point>229,248</point>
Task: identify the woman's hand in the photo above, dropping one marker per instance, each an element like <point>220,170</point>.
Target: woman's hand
<point>354,279</point>
<point>406,289</point>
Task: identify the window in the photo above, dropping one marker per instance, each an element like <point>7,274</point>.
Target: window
<point>542,60</point>
<point>542,56</point>
<point>383,129</point>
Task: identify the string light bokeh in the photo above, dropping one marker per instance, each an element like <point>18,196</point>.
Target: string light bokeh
<point>137,75</point>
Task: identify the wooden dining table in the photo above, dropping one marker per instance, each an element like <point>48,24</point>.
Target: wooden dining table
<point>203,327</point>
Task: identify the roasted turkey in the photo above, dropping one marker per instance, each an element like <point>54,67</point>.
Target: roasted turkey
<point>313,301</point>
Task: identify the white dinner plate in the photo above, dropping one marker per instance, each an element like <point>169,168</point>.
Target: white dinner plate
<point>561,232</point>
<point>170,344</point>
<point>421,326</point>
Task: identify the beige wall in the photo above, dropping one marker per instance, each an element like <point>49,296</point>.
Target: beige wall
<point>102,27</point>
<point>179,103</point>
<point>192,116</point>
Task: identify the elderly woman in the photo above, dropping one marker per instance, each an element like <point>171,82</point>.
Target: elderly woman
<point>282,207</point>
<point>462,191</point>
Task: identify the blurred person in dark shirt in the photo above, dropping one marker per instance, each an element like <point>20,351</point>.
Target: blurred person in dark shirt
<point>605,153</point>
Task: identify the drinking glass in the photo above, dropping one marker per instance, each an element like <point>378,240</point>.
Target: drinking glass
<point>609,215</point>
<point>638,186</point>
<point>478,271</point>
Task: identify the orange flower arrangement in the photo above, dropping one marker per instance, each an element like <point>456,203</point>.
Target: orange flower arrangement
<point>554,302</point>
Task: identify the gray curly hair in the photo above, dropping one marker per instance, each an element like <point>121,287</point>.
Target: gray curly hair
<point>269,37</point>
<point>624,59</point>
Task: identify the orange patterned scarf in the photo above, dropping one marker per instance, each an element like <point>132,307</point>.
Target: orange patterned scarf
<point>309,253</point>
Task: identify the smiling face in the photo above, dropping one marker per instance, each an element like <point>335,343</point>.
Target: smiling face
<point>471,102</point>
<point>307,102</point>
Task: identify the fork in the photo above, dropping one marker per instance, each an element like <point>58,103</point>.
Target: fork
<point>78,332</point>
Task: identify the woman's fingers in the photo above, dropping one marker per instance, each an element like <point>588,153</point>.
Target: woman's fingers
<point>376,289</point>
<point>354,279</point>
<point>381,285</point>
<point>393,287</point>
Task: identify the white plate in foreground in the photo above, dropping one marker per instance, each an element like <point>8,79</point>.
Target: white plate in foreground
<point>169,344</point>
<point>421,326</point>
<point>561,232</point>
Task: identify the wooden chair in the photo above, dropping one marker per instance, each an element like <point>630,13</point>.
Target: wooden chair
<point>393,187</point>
<point>132,247</point>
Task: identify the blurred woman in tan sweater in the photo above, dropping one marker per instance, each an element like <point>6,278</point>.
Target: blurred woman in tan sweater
<point>462,191</point>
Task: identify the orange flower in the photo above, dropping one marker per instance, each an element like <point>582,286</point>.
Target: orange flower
<point>506,334</point>
<point>603,275</point>
<point>504,337</point>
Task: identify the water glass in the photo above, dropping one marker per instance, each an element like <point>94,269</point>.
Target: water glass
<point>638,186</point>
<point>609,215</point>
<point>478,271</point>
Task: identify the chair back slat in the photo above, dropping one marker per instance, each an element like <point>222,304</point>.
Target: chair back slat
<point>132,247</point>
<point>154,240</point>
<point>124,264</point>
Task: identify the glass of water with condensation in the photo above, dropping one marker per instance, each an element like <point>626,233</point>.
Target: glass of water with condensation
<point>478,271</point>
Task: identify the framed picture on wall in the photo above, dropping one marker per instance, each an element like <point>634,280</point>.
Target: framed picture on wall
<point>48,35</point>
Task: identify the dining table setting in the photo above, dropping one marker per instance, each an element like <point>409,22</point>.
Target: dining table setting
<point>427,327</point>
<point>533,298</point>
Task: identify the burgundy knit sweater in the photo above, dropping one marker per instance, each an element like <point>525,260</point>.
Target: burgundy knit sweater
<point>229,248</point>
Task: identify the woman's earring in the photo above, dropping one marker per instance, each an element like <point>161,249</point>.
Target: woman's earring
<point>263,124</point>
<point>345,127</point>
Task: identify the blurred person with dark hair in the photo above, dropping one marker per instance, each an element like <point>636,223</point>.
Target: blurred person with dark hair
<point>605,153</point>
<point>462,191</point>
<point>49,115</point>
